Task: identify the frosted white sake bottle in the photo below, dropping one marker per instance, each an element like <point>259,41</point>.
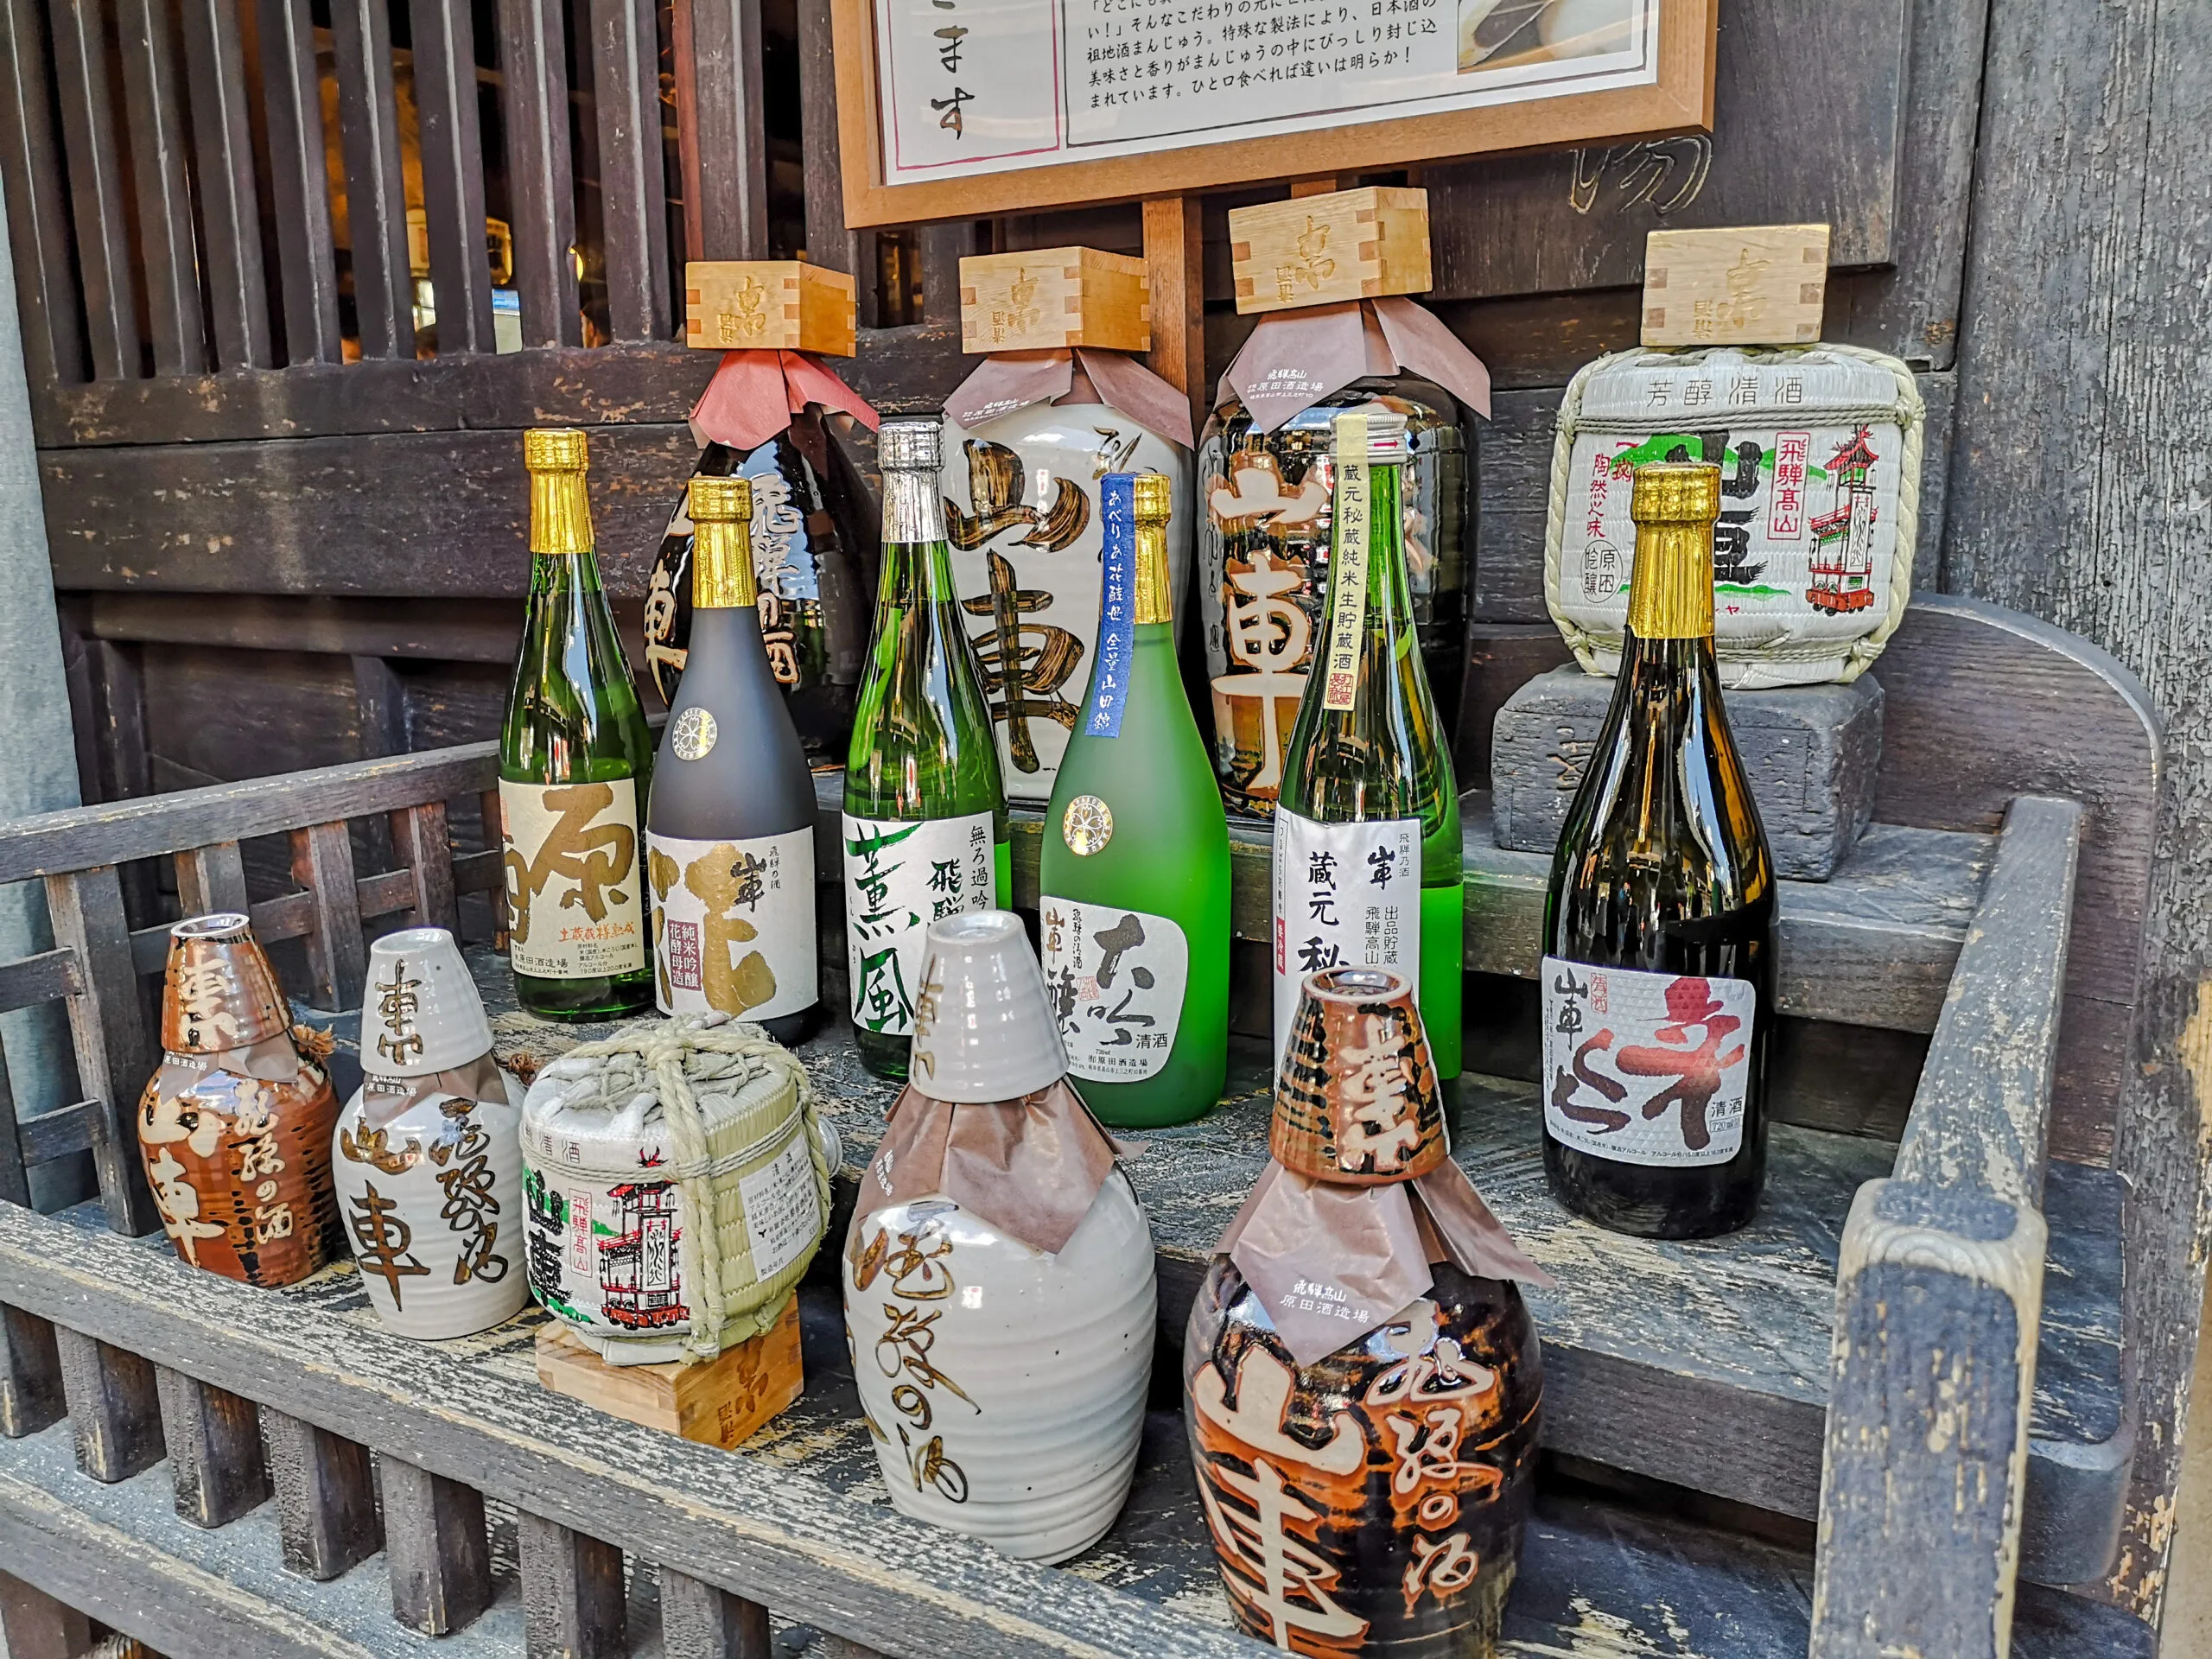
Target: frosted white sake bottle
<point>1005,1386</point>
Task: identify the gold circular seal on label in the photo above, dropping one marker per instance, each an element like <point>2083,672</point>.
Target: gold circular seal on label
<point>1088,825</point>
<point>695,733</point>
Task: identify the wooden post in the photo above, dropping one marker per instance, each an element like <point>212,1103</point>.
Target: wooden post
<point>1939,1295</point>
<point>214,1448</point>
<point>30,1375</point>
<point>114,1412</point>
<point>326,1500</point>
<point>33,1625</point>
<point>439,1559</point>
<point>698,1621</point>
<point>573,1601</point>
<point>1175,269</point>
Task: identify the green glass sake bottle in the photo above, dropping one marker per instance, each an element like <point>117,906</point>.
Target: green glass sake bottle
<point>729,834</point>
<point>1134,904</point>
<point>576,762</point>
<point>926,825</point>
<point>1368,865</point>
<point>1658,969</point>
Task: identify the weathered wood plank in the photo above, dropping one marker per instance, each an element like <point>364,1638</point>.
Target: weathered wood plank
<point>211,877</point>
<point>30,1375</point>
<point>728,124</point>
<point>84,72</point>
<point>435,1548</point>
<point>828,240</point>
<point>115,1054</point>
<point>633,197</point>
<point>299,182</point>
<point>376,182</point>
<point>14,1184</point>
<point>168,254</point>
<point>533,59</point>
<point>574,1603</point>
<point>420,842</point>
<point>444,41</point>
<point>214,1440</point>
<point>697,1621</point>
<point>33,1625</point>
<point>38,225</point>
<point>115,1412</point>
<point>322,863</point>
<point>229,197</point>
<point>326,1495</point>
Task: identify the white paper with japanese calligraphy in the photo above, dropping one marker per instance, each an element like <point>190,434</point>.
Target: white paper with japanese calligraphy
<point>1646,1068</point>
<point>575,904</point>
<point>1819,452</point>
<point>733,924</point>
<point>977,86</point>
<point>901,875</point>
<point>1115,978</point>
<point>1346,895</point>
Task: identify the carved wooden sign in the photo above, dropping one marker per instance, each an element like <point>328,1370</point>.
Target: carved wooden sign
<point>954,108</point>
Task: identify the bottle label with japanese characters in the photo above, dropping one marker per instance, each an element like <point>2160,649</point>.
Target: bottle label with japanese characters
<point>901,875</point>
<point>575,905</point>
<point>1115,978</point>
<point>1646,1068</point>
<point>1347,895</point>
<point>733,924</point>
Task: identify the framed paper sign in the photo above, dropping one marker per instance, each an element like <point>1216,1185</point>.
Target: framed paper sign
<point>960,108</point>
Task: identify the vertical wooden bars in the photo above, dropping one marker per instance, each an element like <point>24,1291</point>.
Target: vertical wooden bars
<point>453,173</point>
<point>230,203</point>
<point>299,183</point>
<point>211,877</point>
<point>424,849</point>
<point>1175,273</point>
<point>699,1621</point>
<point>115,1414</point>
<point>38,225</point>
<point>572,1595</point>
<point>434,1548</point>
<point>30,1375</point>
<point>540,181</point>
<point>113,1054</point>
<point>633,193</point>
<point>828,241</point>
<point>726,121</point>
<point>325,1498</point>
<point>376,188</point>
<point>214,1450</point>
<point>82,73</point>
<point>322,863</point>
<point>167,254</point>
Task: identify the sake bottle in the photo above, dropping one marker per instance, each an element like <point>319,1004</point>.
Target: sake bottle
<point>1658,969</point>
<point>1135,906</point>
<point>1368,865</point>
<point>925,823</point>
<point>575,761</point>
<point>730,831</point>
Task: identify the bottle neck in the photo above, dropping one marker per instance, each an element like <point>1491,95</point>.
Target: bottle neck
<point>560,513</point>
<point>1670,588</point>
<point>721,566</point>
<point>913,510</point>
<point>1155,596</point>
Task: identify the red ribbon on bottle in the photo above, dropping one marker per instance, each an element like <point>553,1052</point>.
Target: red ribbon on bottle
<point>754,395</point>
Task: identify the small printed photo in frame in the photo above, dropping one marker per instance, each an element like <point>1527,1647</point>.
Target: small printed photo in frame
<point>1510,33</point>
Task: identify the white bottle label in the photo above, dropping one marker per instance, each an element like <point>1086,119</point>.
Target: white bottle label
<point>901,875</point>
<point>733,924</point>
<point>1115,978</point>
<point>1347,895</point>
<point>783,1211</point>
<point>1646,1068</point>
<point>576,906</point>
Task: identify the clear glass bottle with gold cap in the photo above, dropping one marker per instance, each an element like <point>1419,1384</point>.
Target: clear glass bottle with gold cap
<point>575,761</point>
<point>1658,969</point>
<point>1368,863</point>
<point>1135,878</point>
<point>730,832</point>
<point>925,824</point>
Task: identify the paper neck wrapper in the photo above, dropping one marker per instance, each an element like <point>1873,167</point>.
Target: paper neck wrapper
<point>384,1099</point>
<point>756,395</point>
<point>1295,359</point>
<point>1367,1251</point>
<point>1006,381</point>
<point>1031,1167</point>
<point>272,1059</point>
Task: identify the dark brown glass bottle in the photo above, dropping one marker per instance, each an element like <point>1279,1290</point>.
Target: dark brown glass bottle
<point>1658,970</point>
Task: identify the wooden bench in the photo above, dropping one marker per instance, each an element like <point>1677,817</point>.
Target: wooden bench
<point>1935,1299</point>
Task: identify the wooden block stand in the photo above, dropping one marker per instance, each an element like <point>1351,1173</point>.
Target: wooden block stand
<point>719,1402</point>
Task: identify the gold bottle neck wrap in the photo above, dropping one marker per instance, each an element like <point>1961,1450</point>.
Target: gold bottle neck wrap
<point>560,513</point>
<point>1155,595</point>
<point>1670,587</point>
<point>913,510</point>
<point>721,565</point>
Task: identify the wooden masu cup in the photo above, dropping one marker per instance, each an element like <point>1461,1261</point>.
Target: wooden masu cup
<point>235,1127</point>
<point>1358,1104</point>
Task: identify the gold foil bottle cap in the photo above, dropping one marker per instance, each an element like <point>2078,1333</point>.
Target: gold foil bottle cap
<point>555,449</point>
<point>1155,494</point>
<point>1676,492</point>
<point>721,500</point>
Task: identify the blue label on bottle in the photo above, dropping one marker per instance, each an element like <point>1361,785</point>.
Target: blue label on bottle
<point>1109,674</point>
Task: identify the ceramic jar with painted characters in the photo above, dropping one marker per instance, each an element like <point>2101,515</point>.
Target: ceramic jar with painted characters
<point>427,1157</point>
<point>235,1127</point>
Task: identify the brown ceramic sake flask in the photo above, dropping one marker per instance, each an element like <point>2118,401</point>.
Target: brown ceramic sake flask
<point>235,1127</point>
<point>1371,1501</point>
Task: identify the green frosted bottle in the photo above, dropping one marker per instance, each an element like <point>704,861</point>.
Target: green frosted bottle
<point>924,824</point>
<point>1134,904</point>
<point>575,764</point>
<point>1368,864</point>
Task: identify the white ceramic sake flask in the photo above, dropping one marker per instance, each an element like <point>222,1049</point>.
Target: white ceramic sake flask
<point>427,1158</point>
<point>1004,1386</point>
<point>1023,519</point>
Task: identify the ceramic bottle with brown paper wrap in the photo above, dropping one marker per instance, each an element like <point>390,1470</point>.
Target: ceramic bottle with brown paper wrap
<point>1362,1377</point>
<point>998,1274</point>
<point>235,1127</point>
<point>427,1160</point>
